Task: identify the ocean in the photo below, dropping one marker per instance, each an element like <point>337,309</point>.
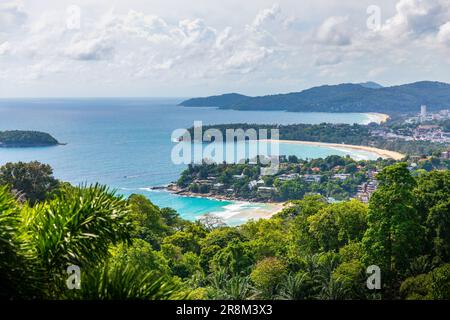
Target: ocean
<point>126,143</point>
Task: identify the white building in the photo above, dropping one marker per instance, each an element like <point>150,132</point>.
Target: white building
<point>444,113</point>
<point>288,177</point>
<point>255,183</point>
<point>312,177</point>
<point>423,111</point>
<point>266,191</point>
<point>341,176</point>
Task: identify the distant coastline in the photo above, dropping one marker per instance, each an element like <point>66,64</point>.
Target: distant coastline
<point>344,97</point>
<point>381,152</point>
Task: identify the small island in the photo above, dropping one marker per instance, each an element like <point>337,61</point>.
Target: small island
<point>26,139</point>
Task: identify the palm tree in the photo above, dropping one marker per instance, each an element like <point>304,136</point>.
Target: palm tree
<point>333,290</point>
<point>325,268</point>
<point>13,269</point>
<point>238,288</point>
<point>122,281</point>
<point>226,287</point>
<point>77,227</point>
<point>320,268</point>
<point>218,278</point>
<point>420,265</point>
<point>296,287</point>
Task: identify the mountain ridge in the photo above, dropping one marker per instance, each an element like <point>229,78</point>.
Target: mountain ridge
<point>345,97</point>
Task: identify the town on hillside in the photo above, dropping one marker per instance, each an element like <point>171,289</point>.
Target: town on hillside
<point>425,126</point>
<point>335,178</point>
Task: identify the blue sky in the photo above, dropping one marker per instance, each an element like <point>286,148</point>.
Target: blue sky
<point>204,47</point>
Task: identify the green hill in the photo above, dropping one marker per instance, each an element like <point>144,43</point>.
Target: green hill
<point>366,97</point>
<point>23,139</point>
<point>224,100</point>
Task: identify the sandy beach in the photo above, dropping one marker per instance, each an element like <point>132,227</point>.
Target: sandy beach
<point>377,117</point>
<point>381,152</point>
<point>240,211</point>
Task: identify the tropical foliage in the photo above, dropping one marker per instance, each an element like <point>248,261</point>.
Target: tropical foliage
<point>131,249</point>
<point>32,181</point>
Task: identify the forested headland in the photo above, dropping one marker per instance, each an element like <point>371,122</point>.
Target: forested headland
<point>355,134</point>
<point>335,177</point>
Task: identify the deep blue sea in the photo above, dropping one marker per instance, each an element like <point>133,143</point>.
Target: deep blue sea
<point>126,143</point>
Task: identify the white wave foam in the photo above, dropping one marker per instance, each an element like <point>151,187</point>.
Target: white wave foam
<point>238,209</point>
<point>356,155</point>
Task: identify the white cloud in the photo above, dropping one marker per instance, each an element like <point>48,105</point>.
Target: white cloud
<point>5,48</point>
<point>12,15</point>
<point>247,60</point>
<point>192,47</point>
<point>334,31</point>
<point>242,46</point>
<point>444,33</point>
<point>35,71</point>
<point>196,32</point>
<point>90,49</point>
<point>150,27</point>
<point>266,15</point>
<point>417,18</point>
<point>375,72</point>
<point>327,59</point>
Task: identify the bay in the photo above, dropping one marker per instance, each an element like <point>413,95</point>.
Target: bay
<point>126,143</point>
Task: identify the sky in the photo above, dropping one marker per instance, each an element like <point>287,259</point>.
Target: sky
<point>186,48</point>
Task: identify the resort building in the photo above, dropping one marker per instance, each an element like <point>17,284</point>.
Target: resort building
<point>256,183</point>
<point>423,113</point>
<point>446,154</point>
<point>288,177</point>
<point>341,176</point>
<point>218,186</point>
<point>372,174</point>
<point>366,190</point>
<point>203,182</point>
<point>312,177</point>
<point>266,191</point>
<point>252,184</point>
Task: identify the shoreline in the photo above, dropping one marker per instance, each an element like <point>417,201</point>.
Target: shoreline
<point>381,152</point>
<point>240,212</point>
<point>174,189</point>
<point>265,210</point>
<point>377,117</point>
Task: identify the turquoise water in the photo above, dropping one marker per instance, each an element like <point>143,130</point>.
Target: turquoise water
<point>126,143</point>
